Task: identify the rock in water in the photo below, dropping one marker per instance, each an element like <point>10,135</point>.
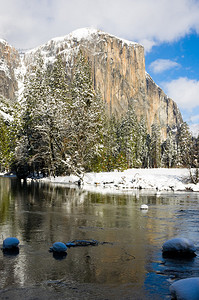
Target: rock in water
<point>10,243</point>
<point>144,207</point>
<point>179,247</point>
<point>58,247</point>
<point>186,289</point>
<point>80,243</point>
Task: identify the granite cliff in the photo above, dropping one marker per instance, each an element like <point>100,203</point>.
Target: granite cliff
<point>9,62</point>
<point>118,71</point>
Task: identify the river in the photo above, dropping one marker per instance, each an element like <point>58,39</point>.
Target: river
<point>129,265</point>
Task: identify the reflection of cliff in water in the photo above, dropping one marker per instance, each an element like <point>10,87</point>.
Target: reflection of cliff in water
<point>40,214</point>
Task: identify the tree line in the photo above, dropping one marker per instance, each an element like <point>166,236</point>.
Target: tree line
<point>62,128</point>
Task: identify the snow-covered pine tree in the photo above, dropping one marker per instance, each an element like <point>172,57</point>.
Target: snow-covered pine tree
<point>110,158</point>
<point>83,140</point>
<point>9,131</point>
<point>169,151</point>
<point>155,146</point>
<point>196,152</point>
<point>194,173</point>
<point>45,117</point>
<point>55,114</point>
<point>142,151</point>
<point>128,135</point>
<point>5,146</point>
<point>30,144</point>
<point>184,141</point>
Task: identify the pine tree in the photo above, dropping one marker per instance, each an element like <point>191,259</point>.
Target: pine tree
<point>128,134</point>
<point>110,158</point>
<point>28,153</point>
<point>83,140</point>
<point>45,117</point>
<point>194,152</point>
<point>142,151</point>
<point>9,131</point>
<point>155,146</point>
<point>194,173</point>
<point>5,145</point>
<point>184,141</point>
<point>169,151</point>
<point>54,112</point>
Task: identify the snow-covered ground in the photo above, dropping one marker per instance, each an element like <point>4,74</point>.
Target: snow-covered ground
<point>151,179</point>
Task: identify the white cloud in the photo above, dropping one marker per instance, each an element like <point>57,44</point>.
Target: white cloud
<point>148,44</point>
<point>194,119</point>
<point>184,91</point>
<point>194,129</point>
<point>27,23</point>
<point>161,65</point>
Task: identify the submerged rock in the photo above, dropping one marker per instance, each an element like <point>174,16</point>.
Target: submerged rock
<point>179,247</point>
<point>186,289</point>
<point>78,243</point>
<point>10,243</point>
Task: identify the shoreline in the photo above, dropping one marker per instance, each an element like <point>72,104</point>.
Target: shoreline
<point>152,180</point>
<point>160,179</point>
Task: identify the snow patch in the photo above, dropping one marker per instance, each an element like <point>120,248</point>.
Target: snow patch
<point>88,33</point>
<point>147,179</point>
<point>82,33</point>
<point>2,41</point>
<point>6,116</point>
<point>4,68</point>
<point>20,75</point>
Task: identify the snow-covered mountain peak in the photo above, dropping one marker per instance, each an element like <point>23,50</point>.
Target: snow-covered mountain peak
<point>90,32</point>
<point>69,44</point>
<point>79,34</point>
<point>71,39</point>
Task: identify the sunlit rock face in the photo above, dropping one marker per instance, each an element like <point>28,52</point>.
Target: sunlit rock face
<point>9,62</point>
<point>118,71</point>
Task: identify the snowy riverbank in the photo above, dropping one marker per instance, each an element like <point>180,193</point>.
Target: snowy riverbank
<point>151,179</point>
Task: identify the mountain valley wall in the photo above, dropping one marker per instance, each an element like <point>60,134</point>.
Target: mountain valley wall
<point>118,71</point>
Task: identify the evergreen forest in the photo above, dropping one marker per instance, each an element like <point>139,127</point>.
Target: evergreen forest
<point>61,127</point>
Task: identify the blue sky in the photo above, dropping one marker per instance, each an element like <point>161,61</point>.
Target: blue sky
<point>168,29</point>
<point>175,68</point>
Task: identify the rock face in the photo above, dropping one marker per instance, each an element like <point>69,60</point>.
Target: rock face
<point>162,109</point>
<point>9,62</point>
<point>118,71</point>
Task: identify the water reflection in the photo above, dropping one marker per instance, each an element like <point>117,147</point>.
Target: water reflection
<point>39,214</point>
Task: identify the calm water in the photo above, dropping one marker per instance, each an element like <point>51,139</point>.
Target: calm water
<point>129,266</point>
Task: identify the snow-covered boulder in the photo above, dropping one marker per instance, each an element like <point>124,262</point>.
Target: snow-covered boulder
<point>185,289</point>
<point>58,247</point>
<point>10,243</point>
<point>144,207</point>
<point>179,247</point>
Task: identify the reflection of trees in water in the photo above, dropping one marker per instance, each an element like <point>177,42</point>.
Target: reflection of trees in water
<point>40,209</point>
<point>6,202</point>
<point>45,213</point>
